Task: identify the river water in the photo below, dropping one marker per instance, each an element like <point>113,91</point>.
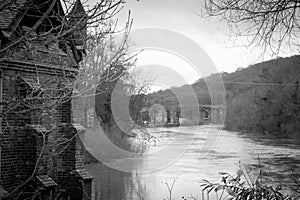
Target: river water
<point>188,155</point>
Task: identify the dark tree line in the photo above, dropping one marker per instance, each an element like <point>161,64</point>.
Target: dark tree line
<point>268,102</point>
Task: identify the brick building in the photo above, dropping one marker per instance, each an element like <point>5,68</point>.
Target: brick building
<point>40,151</point>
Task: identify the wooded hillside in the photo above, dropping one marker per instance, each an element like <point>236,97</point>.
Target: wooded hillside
<point>264,97</point>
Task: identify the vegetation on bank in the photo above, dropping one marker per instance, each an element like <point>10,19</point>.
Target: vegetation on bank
<point>250,182</point>
<point>263,97</point>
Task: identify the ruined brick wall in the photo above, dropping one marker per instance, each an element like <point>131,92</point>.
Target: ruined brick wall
<point>8,135</point>
<point>21,138</point>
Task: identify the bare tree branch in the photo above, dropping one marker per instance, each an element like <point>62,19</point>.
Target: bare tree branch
<point>273,24</point>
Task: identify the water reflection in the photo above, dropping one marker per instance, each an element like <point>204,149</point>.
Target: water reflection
<point>195,164</point>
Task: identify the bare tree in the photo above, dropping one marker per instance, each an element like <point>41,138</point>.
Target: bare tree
<point>103,54</point>
<point>270,23</point>
<point>55,26</point>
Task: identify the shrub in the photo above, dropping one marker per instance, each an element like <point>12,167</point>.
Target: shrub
<point>248,183</point>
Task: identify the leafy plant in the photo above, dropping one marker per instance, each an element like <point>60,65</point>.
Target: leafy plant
<point>295,186</point>
<point>248,183</point>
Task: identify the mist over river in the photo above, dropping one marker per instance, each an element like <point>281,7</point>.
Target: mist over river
<point>191,154</point>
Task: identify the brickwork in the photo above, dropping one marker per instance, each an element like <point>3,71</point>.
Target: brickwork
<point>38,140</point>
<point>63,152</point>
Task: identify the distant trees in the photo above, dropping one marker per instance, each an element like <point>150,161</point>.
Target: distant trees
<point>138,108</point>
<point>277,104</point>
<point>263,97</point>
<point>138,84</point>
<point>118,110</point>
<point>269,101</point>
<point>157,114</point>
<point>271,23</point>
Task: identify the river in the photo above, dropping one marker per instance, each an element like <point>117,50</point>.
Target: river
<point>188,155</point>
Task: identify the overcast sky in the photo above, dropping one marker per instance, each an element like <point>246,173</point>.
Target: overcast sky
<point>183,17</point>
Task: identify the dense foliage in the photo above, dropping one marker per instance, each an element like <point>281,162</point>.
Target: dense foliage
<point>265,97</point>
